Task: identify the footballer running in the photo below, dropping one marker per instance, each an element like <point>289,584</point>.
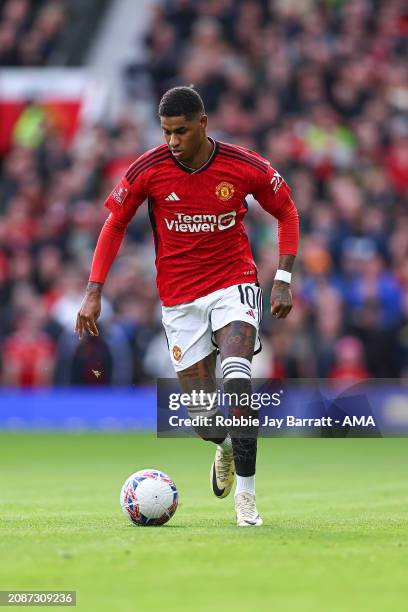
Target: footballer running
<point>206,275</point>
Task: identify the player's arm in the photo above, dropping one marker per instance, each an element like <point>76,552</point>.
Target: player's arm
<point>273,194</point>
<point>122,203</point>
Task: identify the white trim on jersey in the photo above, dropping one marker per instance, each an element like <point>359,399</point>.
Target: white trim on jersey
<point>172,197</point>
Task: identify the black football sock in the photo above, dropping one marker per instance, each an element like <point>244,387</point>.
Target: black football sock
<point>244,437</point>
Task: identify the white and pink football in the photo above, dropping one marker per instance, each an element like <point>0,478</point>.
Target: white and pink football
<point>149,497</point>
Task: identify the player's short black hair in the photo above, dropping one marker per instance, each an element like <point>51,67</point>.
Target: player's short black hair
<point>181,101</point>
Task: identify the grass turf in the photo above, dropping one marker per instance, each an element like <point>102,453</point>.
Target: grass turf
<point>334,538</point>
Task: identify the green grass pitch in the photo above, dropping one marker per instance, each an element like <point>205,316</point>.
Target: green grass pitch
<point>334,538</point>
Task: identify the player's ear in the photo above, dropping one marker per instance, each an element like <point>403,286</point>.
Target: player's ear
<point>203,121</point>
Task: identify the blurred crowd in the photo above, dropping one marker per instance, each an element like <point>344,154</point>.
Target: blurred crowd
<point>318,88</point>
<point>29,30</point>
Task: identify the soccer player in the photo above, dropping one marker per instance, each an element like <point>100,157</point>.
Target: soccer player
<point>206,276</point>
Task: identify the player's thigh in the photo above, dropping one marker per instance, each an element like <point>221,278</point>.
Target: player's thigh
<point>235,321</point>
<point>236,339</point>
<point>200,375</point>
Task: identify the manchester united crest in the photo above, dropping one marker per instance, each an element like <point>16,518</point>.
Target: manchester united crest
<point>177,352</point>
<point>224,191</point>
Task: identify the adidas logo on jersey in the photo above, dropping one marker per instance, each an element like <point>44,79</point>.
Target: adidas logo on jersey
<point>173,197</point>
<point>250,313</point>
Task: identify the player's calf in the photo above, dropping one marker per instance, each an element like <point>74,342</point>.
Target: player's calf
<point>237,390</point>
<point>204,414</point>
<point>199,382</point>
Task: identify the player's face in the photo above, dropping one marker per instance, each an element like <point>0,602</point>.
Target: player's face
<point>184,136</point>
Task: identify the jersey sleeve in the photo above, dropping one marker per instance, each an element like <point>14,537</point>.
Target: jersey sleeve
<point>107,247</point>
<point>273,194</point>
<point>125,198</point>
<point>122,202</point>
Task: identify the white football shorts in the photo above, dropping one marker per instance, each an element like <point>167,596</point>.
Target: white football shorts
<point>190,327</point>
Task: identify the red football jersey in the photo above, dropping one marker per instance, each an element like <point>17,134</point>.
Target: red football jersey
<point>197,217</point>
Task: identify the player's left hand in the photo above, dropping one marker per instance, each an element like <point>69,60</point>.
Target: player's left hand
<point>281,300</point>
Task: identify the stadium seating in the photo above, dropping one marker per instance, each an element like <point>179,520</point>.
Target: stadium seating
<point>321,90</point>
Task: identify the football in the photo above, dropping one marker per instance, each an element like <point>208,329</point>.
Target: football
<point>149,497</point>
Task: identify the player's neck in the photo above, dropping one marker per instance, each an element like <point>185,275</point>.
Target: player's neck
<point>202,156</point>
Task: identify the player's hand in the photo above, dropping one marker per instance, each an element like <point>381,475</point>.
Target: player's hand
<point>88,314</point>
<point>281,300</point>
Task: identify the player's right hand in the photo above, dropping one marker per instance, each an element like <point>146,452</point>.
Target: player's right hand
<point>88,314</point>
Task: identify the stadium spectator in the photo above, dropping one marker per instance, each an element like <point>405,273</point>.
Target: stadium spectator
<point>349,363</point>
<point>28,353</point>
<point>320,89</point>
<point>29,31</point>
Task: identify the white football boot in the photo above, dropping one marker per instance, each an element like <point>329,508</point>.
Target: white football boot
<point>245,508</point>
<point>222,474</point>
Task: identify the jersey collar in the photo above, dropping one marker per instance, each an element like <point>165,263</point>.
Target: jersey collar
<point>205,164</point>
